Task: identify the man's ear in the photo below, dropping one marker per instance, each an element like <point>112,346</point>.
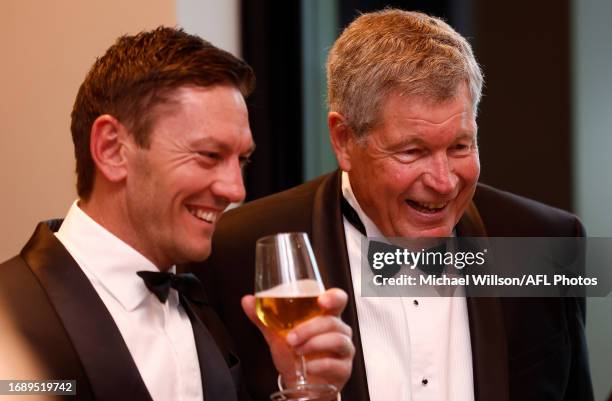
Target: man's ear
<point>107,147</point>
<point>342,139</point>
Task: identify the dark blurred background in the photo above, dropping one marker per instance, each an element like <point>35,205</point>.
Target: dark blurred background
<point>525,114</point>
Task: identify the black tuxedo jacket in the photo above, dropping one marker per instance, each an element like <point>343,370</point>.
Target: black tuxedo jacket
<point>56,313</point>
<point>523,349</point>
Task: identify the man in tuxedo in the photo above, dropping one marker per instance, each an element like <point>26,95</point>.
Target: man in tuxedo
<point>161,132</point>
<point>403,91</point>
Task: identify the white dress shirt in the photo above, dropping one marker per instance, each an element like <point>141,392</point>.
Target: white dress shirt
<point>415,349</point>
<point>158,336</point>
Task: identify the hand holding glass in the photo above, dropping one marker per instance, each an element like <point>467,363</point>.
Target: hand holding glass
<point>287,285</point>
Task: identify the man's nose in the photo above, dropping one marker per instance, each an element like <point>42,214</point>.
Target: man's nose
<point>440,176</point>
<point>229,184</point>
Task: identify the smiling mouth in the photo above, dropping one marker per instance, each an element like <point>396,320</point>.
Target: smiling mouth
<point>204,215</point>
<point>427,207</point>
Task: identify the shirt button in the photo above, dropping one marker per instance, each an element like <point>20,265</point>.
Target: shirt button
<point>424,381</point>
<point>415,302</point>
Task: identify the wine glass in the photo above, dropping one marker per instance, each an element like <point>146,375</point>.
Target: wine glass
<point>287,285</point>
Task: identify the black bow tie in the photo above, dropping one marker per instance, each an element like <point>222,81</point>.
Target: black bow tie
<point>352,216</point>
<point>159,283</point>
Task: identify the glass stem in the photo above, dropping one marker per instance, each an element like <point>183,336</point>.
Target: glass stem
<point>300,369</point>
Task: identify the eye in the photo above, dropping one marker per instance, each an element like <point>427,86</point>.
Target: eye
<point>211,156</point>
<point>409,155</point>
<point>461,148</point>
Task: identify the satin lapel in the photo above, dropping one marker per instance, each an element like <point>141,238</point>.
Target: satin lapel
<point>487,332</point>
<point>105,357</point>
<point>329,246</point>
<point>217,381</point>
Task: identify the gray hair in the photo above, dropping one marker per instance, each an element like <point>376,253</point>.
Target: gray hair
<point>394,50</point>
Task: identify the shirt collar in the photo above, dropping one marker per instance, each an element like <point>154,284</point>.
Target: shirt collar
<point>347,191</point>
<point>107,259</point>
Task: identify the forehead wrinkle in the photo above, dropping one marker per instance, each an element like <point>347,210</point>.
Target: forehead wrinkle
<point>422,121</point>
<point>421,127</point>
<point>208,140</point>
<point>420,133</point>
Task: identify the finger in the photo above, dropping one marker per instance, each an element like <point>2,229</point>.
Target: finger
<point>329,344</point>
<point>331,370</point>
<point>316,326</point>
<point>248,306</point>
<point>333,301</point>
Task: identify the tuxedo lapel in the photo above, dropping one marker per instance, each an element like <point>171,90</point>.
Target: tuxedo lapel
<point>487,332</point>
<point>329,246</point>
<point>105,357</point>
<point>488,340</point>
<point>217,381</point>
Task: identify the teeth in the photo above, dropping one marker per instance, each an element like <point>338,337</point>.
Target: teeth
<point>433,205</point>
<point>428,205</point>
<point>209,217</point>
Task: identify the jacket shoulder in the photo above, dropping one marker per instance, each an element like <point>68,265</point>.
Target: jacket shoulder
<point>6,265</point>
<point>290,210</point>
<point>508,215</point>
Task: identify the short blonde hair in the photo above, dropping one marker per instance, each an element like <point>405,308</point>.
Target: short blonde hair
<point>395,50</point>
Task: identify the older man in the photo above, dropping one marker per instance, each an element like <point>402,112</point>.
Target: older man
<point>161,132</point>
<point>403,95</point>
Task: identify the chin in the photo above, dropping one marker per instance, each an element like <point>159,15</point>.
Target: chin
<point>196,254</point>
<point>202,256</point>
<point>431,232</point>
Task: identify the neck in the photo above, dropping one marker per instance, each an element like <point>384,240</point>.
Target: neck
<point>108,209</point>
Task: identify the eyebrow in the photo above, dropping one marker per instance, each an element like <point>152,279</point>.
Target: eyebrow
<point>407,141</point>
<point>467,135</point>
<point>224,147</point>
<point>415,139</point>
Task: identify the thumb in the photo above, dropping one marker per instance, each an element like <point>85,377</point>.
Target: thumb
<point>333,301</point>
